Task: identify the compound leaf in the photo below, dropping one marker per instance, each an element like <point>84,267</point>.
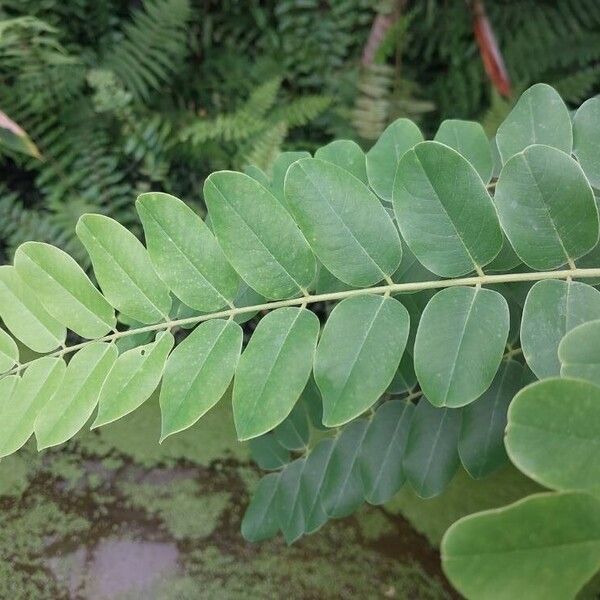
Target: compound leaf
<point>346,154</point>
<point>9,353</point>
<point>260,520</point>
<point>586,139</point>
<point>579,352</point>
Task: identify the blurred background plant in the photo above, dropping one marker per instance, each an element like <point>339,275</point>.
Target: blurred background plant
<point>118,97</point>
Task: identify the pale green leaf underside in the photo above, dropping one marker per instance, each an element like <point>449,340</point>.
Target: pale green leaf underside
<point>123,269</point>
<point>9,353</point>
<point>553,436</point>
<point>544,547</point>
<point>64,290</point>
<point>25,317</point>
<point>444,212</point>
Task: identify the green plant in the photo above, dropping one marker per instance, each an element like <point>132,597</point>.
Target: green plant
<point>453,289</point>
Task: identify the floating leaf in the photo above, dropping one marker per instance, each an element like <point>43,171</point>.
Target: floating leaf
<point>431,454</point>
<point>20,408</point>
<point>25,317</point>
<point>539,117</point>
<point>123,269</point>
<point>579,352</point>
<point>468,139</point>
<point>384,156</point>
<point>185,253</point>
<point>345,154</point>
<point>382,450</point>
<point>460,343</point>
<point>258,236</point>
<point>359,352</point>
<point>274,370</point>
<point>481,442</point>
<point>198,373</point>
<point>552,434</point>
<point>67,411</point>
<point>544,547</point>
<point>444,212</point>
<point>64,290</point>
<point>132,379</point>
<point>551,310</point>
<point>586,139</point>
<point>345,224</point>
<point>546,207</point>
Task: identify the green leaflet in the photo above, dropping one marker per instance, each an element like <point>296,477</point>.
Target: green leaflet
<point>25,317</point>
<point>481,442</point>
<point>273,370</point>
<point>382,450</point>
<point>459,345</point>
<point>198,373</point>
<point>544,547</point>
<point>411,270</point>
<point>579,352</point>
<point>9,353</point>
<point>342,491</point>
<point>383,157</point>
<point>260,521</point>
<point>546,207</point>
<point>345,224</point>
<point>358,354</point>
<point>444,211</point>
<point>185,253</point>
<point>132,379</point>
<point>19,409</point>
<point>290,515</point>
<point>431,455</point>
<point>123,269</point>
<point>586,139</point>
<point>552,434</point>
<point>468,139</point>
<point>311,484</point>
<point>258,236</point>
<point>345,154</point>
<point>539,117</point>
<point>268,453</point>
<point>64,290</point>
<point>293,433</point>
<point>67,411</point>
<point>551,310</point>
<point>280,168</point>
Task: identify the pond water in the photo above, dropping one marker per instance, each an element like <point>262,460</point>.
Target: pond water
<point>113,515</point>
